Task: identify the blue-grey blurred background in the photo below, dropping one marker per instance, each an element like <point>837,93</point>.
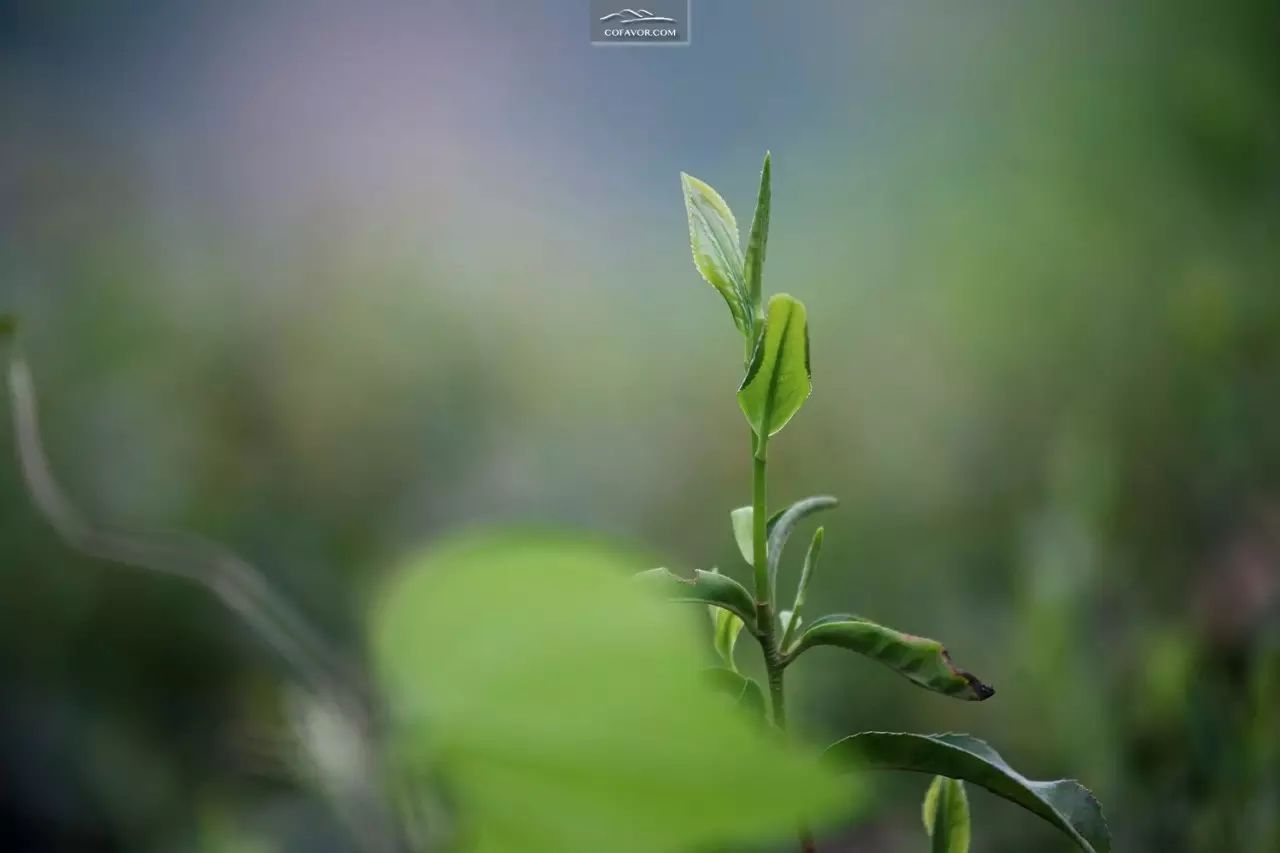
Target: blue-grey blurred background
<point>324,281</point>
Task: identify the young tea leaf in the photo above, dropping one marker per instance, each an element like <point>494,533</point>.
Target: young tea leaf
<point>703,588</point>
<point>1065,803</point>
<point>759,239</point>
<point>778,379</point>
<point>784,523</point>
<point>726,627</point>
<point>946,815</point>
<point>922,661</point>
<point>741,520</point>
<point>713,236</point>
<point>563,709</point>
<point>806,575</point>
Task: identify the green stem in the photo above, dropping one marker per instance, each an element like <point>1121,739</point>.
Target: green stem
<point>765,623</point>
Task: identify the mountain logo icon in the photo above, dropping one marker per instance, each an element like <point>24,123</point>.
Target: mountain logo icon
<point>636,16</point>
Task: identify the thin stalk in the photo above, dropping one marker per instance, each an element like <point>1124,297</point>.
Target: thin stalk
<point>765,626</point>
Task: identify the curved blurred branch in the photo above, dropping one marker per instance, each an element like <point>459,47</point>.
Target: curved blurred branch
<point>236,583</point>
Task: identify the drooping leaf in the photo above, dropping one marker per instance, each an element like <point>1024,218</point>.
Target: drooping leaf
<point>782,525</point>
<point>744,691</point>
<point>703,588</point>
<point>923,661</point>
<point>713,236</point>
<point>726,627</point>
<point>759,238</point>
<point>1065,803</point>
<point>778,378</point>
<point>946,815</point>
<point>742,533</point>
<point>563,709</point>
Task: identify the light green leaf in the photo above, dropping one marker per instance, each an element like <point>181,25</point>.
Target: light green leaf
<point>810,567</point>
<point>759,239</point>
<point>713,236</point>
<point>563,709</point>
<point>703,588</point>
<point>1065,803</point>
<point>784,523</point>
<point>922,661</point>
<point>946,815</point>
<point>745,692</point>
<point>742,534</point>
<point>727,626</point>
<point>778,378</point>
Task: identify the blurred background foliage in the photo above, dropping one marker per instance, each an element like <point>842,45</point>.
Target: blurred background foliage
<point>323,282</point>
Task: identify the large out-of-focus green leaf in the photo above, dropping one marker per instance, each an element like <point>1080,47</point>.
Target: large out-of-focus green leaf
<point>778,378</point>
<point>758,240</point>
<point>565,709</point>
<point>1065,803</point>
<point>703,588</point>
<point>713,236</point>
<point>923,661</point>
<point>946,815</point>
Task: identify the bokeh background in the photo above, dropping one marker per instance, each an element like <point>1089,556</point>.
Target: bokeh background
<point>326,281</point>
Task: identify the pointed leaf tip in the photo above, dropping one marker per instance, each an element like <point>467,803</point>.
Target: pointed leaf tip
<point>757,241</point>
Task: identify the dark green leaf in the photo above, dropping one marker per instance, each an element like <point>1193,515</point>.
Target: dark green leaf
<point>923,661</point>
<point>703,588</point>
<point>778,378</point>
<point>946,815</point>
<point>1065,803</point>
<point>713,236</point>
<point>759,239</point>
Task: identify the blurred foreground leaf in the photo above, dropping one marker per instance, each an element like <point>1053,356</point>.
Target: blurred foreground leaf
<point>565,709</point>
<point>1065,803</point>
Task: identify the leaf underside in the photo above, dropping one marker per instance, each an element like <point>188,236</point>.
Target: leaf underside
<point>922,661</point>
<point>1064,803</point>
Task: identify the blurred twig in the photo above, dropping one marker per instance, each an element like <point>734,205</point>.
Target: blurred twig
<point>331,679</point>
